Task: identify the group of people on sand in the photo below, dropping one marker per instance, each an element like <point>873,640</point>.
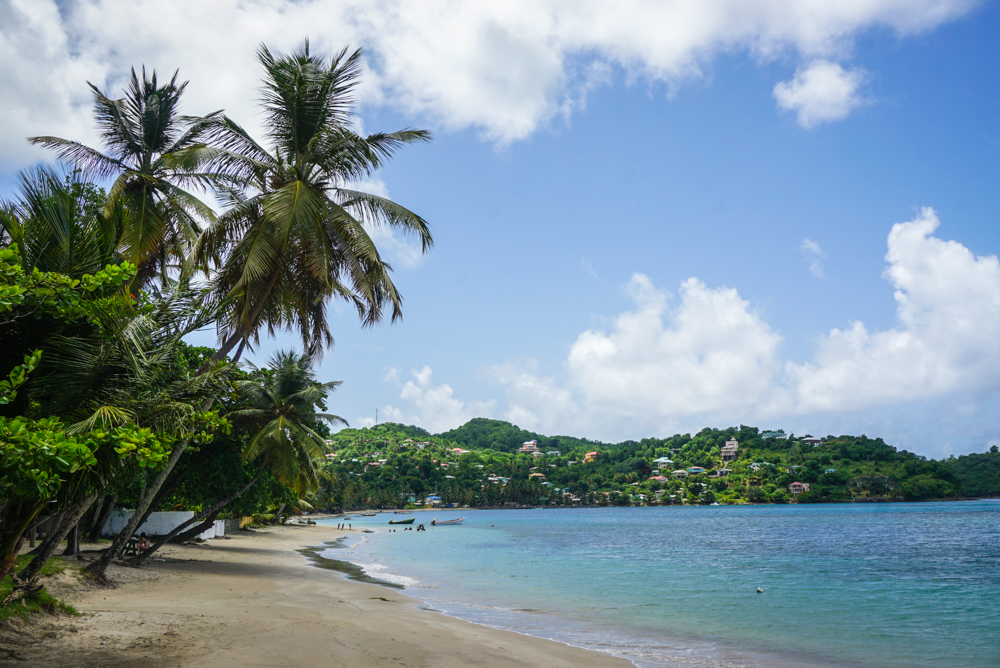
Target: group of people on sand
<point>342,525</point>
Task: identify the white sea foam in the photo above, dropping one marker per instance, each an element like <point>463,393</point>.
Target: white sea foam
<point>380,571</point>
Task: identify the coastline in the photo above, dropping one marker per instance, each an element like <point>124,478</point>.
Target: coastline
<point>256,599</point>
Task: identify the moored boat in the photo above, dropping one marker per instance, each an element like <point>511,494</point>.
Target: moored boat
<point>435,523</point>
<point>407,521</point>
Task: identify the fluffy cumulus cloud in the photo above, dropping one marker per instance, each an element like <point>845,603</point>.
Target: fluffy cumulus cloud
<point>433,407</point>
<point>501,68</point>
<point>706,357</point>
<point>948,311</point>
<point>821,92</point>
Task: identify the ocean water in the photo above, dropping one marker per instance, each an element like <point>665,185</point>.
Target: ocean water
<point>856,585</point>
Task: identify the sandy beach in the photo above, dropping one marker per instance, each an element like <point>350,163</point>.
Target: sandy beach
<point>254,600</point>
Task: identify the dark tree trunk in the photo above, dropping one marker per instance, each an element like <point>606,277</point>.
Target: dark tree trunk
<point>73,541</point>
<point>70,519</point>
<point>194,531</point>
<point>102,517</point>
<point>167,489</point>
<point>90,519</point>
<point>213,511</point>
<point>51,525</point>
<point>99,566</point>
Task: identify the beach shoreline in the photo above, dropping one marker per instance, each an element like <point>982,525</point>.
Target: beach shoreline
<point>256,599</point>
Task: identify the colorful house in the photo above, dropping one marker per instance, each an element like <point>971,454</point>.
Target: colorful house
<point>797,488</point>
<point>529,446</point>
<point>591,456</point>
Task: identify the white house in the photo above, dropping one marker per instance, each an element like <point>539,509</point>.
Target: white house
<point>730,450</point>
<point>529,446</point>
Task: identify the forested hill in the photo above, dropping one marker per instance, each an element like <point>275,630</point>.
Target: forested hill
<point>978,473</point>
<point>483,433</point>
<point>479,464</point>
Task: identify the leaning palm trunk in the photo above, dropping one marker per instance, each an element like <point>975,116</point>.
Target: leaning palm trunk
<point>70,519</point>
<point>102,517</point>
<point>99,567</point>
<point>201,516</point>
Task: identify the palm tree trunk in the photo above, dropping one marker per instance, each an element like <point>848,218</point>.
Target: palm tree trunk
<point>94,515</point>
<point>70,519</point>
<point>197,529</point>
<point>99,567</point>
<point>243,331</point>
<point>72,541</point>
<point>102,517</point>
<point>160,542</point>
<point>52,527</point>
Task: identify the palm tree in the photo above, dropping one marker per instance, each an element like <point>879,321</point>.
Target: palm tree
<point>60,225</point>
<point>153,154</point>
<point>294,237</point>
<point>280,407</point>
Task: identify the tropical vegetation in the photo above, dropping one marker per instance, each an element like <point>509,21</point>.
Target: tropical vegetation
<point>480,464</point>
<point>108,262</point>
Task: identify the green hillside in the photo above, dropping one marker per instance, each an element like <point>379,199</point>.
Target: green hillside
<point>978,473</point>
<point>478,464</point>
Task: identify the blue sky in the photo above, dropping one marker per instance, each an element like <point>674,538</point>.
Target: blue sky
<point>647,220</point>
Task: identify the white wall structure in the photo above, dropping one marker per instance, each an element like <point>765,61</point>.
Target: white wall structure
<point>160,524</point>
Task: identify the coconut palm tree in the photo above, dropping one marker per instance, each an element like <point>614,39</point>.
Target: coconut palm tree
<point>153,154</point>
<point>60,224</point>
<point>280,407</point>
<point>294,238</point>
<point>280,404</point>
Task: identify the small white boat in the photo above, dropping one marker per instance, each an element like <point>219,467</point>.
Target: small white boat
<point>448,523</point>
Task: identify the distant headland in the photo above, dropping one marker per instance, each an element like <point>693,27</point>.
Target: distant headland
<point>491,463</point>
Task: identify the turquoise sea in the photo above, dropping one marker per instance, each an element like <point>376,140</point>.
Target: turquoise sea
<point>860,585</point>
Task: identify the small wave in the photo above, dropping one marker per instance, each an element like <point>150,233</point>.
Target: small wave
<point>379,571</point>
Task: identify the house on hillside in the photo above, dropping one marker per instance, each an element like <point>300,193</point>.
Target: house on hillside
<point>536,476</point>
<point>680,473</point>
<point>774,434</point>
<point>695,470</point>
<point>658,478</point>
<point>809,440</point>
<point>730,450</point>
<point>797,488</point>
<point>529,446</point>
<point>591,456</point>
<point>663,462</point>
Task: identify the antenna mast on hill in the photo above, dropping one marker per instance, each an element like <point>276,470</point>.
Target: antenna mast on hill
<point>376,417</point>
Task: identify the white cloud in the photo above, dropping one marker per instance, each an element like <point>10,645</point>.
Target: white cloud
<point>821,93</point>
<point>711,360</point>
<point>500,68</point>
<point>948,308</point>
<point>813,255</point>
<point>433,407</point>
